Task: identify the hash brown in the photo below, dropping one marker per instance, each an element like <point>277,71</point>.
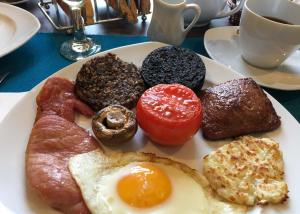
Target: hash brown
<point>247,171</point>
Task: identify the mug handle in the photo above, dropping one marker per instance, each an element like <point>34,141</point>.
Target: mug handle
<point>197,10</point>
<point>223,14</point>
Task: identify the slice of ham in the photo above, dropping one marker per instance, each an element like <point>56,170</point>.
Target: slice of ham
<point>57,97</point>
<point>52,142</point>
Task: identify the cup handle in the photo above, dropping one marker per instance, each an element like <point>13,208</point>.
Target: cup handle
<point>223,14</point>
<point>197,10</point>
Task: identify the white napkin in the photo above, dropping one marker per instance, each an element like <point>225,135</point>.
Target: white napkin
<point>7,101</point>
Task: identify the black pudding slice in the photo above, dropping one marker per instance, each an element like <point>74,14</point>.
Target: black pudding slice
<point>173,65</point>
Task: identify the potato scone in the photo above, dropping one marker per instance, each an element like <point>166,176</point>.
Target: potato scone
<point>247,171</point>
<point>235,108</point>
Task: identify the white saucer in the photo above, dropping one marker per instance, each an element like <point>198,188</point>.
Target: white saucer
<point>222,45</point>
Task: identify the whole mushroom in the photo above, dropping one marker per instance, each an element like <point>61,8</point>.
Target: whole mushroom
<point>114,125</point>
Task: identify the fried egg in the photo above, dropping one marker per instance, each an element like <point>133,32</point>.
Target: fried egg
<point>143,183</point>
<point>247,171</point>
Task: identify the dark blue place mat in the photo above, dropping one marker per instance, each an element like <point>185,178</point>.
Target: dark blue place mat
<point>39,58</point>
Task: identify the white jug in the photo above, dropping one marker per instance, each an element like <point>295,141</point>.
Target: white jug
<point>167,23</point>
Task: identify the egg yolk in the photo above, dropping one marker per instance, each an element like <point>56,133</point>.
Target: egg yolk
<point>146,185</point>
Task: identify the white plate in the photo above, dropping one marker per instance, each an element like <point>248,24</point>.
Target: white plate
<point>14,2</point>
<point>17,26</point>
<point>16,127</point>
<point>222,45</point>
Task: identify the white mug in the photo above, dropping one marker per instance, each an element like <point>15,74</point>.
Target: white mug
<point>167,23</point>
<point>211,9</point>
<point>264,42</point>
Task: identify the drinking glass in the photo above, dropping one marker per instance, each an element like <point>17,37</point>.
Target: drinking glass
<point>80,46</point>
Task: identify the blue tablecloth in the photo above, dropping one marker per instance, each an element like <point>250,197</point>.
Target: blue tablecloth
<point>39,58</point>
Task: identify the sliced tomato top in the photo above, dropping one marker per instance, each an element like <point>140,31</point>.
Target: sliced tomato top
<point>172,103</point>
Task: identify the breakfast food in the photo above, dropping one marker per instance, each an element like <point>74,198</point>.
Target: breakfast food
<point>107,80</point>
<point>130,9</point>
<point>53,140</point>
<point>114,125</point>
<point>57,98</point>
<point>235,108</point>
<point>174,65</point>
<point>66,167</point>
<point>247,171</point>
<point>143,183</point>
<point>170,114</point>
<point>144,6</point>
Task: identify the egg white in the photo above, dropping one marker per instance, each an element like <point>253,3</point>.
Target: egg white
<point>97,176</point>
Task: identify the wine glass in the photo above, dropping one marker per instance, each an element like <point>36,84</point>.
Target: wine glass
<point>80,46</point>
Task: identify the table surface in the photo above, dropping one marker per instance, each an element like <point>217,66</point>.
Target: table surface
<point>115,27</point>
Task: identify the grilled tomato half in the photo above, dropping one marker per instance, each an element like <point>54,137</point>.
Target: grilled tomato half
<point>169,114</point>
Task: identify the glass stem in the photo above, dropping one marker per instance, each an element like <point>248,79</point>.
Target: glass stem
<point>78,25</point>
<point>80,46</point>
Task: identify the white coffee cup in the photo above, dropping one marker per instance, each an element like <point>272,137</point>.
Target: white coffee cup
<point>211,9</point>
<point>266,43</point>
